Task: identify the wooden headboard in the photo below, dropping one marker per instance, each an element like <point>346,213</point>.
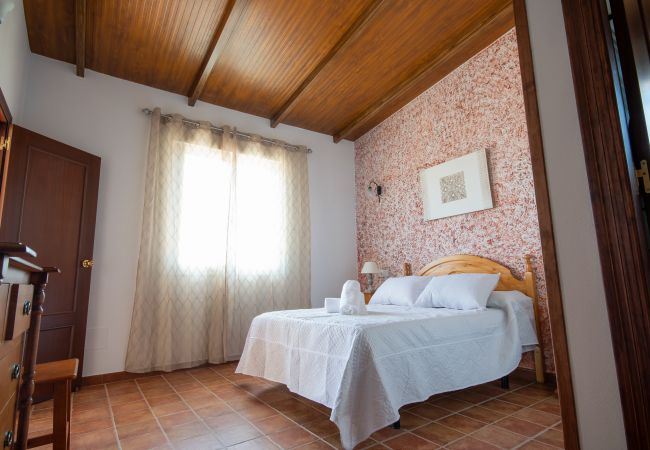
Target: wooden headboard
<point>507,282</point>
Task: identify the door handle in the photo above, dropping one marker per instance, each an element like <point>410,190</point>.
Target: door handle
<point>87,263</point>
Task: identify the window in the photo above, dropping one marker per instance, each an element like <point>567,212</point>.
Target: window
<point>253,213</point>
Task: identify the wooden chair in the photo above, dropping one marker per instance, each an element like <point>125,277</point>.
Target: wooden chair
<point>59,374</point>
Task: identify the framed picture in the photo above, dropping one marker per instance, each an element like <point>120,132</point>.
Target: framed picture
<point>455,187</point>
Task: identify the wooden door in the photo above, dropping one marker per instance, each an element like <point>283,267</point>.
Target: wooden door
<point>50,204</point>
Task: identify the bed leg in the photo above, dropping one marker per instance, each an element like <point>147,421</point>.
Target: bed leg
<point>505,382</point>
<point>397,425</point>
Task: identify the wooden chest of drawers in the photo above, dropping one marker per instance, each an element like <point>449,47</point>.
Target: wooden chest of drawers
<point>22,292</point>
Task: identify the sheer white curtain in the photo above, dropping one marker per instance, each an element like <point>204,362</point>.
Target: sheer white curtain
<point>225,237</point>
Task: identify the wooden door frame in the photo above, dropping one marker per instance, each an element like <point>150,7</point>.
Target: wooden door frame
<point>621,247</point>
<point>551,272</point>
<point>7,119</point>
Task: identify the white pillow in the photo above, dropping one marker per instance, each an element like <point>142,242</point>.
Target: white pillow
<point>458,291</point>
<point>402,291</point>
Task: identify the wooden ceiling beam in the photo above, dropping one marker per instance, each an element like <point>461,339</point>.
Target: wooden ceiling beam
<point>227,25</point>
<point>504,13</point>
<point>80,36</point>
<point>353,31</point>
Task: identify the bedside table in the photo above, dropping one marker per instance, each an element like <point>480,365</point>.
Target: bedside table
<point>367,296</point>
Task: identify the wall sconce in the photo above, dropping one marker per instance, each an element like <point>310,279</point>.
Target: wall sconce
<point>375,189</point>
<point>6,6</point>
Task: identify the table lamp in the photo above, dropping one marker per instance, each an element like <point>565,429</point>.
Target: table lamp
<point>369,269</point>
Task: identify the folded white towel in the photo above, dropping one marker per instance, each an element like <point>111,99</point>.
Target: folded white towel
<point>352,301</point>
<point>332,305</point>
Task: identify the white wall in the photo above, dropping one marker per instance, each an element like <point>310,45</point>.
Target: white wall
<point>102,115</point>
<point>14,55</point>
<point>595,383</point>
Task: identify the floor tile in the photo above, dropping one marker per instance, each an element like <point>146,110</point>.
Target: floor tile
<point>131,407</point>
<point>386,433</point>
<point>534,445</point>
<point>482,414</point>
<point>163,399</point>
<point>410,441</point>
<point>519,426</point>
<point>461,423</point>
<point>169,408</point>
<point>470,397</point>
<point>125,398</point>
<point>501,406</point>
<point>548,406</point>
<point>292,437</point>
<point>499,437</point>
<point>470,443</point>
<point>518,399</point>
<point>261,443</point>
<point>538,417</point>
<point>429,411</point>
<point>186,431</point>
<point>552,437</point>
<point>213,410</point>
<point>438,433</point>
<point>322,426</point>
<point>225,421</point>
<point>136,416</point>
<point>203,442</point>
<point>276,423</point>
<point>316,445</point>
<point>255,412</point>
<point>236,434</point>
<point>132,429</point>
<point>172,420</point>
<point>94,440</point>
<point>143,441</point>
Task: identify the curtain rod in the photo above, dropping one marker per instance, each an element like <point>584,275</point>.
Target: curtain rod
<point>194,123</point>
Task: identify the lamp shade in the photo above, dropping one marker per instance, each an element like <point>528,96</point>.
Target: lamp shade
<point>370,267</point>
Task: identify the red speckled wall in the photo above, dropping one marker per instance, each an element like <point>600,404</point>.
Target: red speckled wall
<point>479,105</point>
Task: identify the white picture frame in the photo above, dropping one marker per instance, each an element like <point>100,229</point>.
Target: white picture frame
<point>458,186</point>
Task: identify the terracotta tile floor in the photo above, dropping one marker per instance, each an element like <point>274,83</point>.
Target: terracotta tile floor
<point>214,408</point>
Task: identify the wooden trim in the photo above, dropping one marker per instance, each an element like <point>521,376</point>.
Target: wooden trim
<point>6,133</point>
<point>227,25</point>
<point>420,74</point>
<point>80,35</point>
<point>113,377</point>
<point>621,245</point>
<point>353,31</point>
<point>551,272</point>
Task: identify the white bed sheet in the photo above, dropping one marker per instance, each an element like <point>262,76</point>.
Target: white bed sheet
<point>366,367</point>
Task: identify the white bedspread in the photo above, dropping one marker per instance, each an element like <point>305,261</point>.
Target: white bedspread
<point>366,367</point>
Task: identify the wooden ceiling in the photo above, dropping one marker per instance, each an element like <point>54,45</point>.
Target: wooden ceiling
<point>338,67</point>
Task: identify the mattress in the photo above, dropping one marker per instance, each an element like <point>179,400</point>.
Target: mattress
<point>366,367</point>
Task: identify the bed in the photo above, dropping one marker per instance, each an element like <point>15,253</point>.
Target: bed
<point>366,367</point>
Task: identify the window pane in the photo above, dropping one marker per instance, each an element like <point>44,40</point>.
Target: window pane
<point>260,239</point>
<point>204,209</point>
